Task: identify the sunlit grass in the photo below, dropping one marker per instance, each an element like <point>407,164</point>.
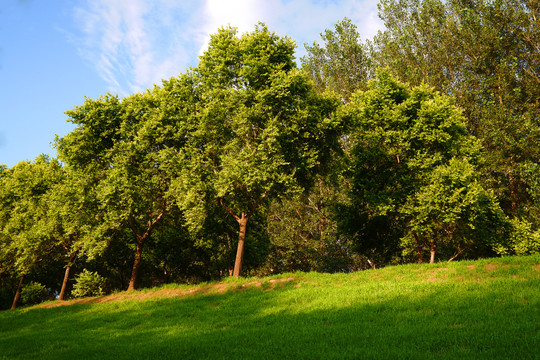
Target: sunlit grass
<point>488,309</point>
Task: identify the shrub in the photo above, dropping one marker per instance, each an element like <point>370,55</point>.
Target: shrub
<point>33,293</point>
<point>88,283</point>
<point>523,240</point>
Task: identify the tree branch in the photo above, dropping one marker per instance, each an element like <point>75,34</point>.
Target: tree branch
<point>456,255</point>
<point>257,203</point>
<point>228,209</point>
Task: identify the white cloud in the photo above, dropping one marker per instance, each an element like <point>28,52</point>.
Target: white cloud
<point>242,14</point>
<point>136,43</point>
<point>307,19</point>
<point>133,43</point>
<point>303,20</point>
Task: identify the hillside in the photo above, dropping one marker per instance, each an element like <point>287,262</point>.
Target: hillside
<point>486,309</point>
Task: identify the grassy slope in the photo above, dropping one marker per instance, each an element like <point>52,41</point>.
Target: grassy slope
<point>488,309</point>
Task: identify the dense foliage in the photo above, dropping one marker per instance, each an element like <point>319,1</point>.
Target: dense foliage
<point>486,55</point>
<point>413,167</point>
<point>420,143</point>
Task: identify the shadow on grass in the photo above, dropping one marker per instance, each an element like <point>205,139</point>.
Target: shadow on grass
<point>440,321</point>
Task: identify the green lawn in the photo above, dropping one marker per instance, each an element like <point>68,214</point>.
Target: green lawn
<point>487,309</point>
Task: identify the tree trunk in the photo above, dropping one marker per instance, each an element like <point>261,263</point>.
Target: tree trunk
<point>140,243</point>
<point>62,295</point>
<point>322,228</point>
<point>432,251</point>
<point>64,283</point>
<point>240,251</point>
<point>18,293</point>
<point>166,275</point>
<point>136,265</point>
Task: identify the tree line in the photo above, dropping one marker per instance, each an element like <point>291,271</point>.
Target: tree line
<point>417,145</point>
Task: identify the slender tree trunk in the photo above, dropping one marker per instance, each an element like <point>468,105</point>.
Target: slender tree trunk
<point>136,265</point>
<point>166,275</point>
<point>140,243</point>
<point>64,283</point>
<point>432,251</point>
<point>18,294</point>
<point>62,295</point>
<point>322,227</point>
<point>242,221</point>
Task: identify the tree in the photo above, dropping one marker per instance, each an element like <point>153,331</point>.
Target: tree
<point>452,214</point>
<point>407,147</point>
<point>304,233</point>
<point>7,250</point>
<point>486,54</point>
<point>343,65</point>
<point>72,216</point>
<point>261,130</point>
<point>28,236</point>
<point>120,150</point>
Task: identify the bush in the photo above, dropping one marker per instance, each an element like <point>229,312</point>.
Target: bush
<point>88,283</point>
<point>523,240</point>
<point>33,293</point>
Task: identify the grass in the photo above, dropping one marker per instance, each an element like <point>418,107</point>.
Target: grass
<point>487,309</point>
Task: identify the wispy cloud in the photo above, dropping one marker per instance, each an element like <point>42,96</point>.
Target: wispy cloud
<point>136,43</point>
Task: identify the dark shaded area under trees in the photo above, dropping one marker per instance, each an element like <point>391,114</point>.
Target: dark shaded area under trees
<point>421,143</point>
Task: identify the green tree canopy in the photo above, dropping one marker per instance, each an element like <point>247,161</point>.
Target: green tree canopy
<point>260,129</point>
<point>120,150</point>
<point>486,54</point>
<point>407,145</point>
<point>343,64</point>
<point>28,236</point>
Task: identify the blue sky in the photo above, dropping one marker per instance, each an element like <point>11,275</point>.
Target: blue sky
<point>53,53</point>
